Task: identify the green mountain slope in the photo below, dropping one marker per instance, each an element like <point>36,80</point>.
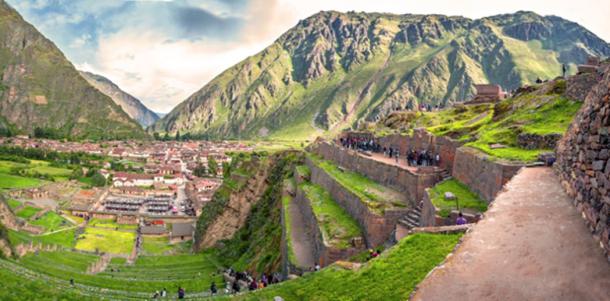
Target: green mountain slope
<point>333,70</point>
<point>41,89</point>
<point>131,105</point>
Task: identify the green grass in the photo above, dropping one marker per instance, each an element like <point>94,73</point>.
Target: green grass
<point>303,170</point>
<point>375,196</point>
<point>51,221</point>
<point>105,240</point>
<point>13,204</point>
<point>63,238</point>
<point>336,225</point>
<point>11,181</point>
<point>389,277</point>
<point>27,212</point>
<point>160,246</point>
<point>479,126</point>
<point>110,224</point>
<point>286,200</point>
<point>467,199</point>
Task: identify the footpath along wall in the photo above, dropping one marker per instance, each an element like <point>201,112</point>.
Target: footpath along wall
<point>405,181</point>
<point>583,159</point>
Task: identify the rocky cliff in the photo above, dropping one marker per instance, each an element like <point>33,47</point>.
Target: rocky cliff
<point>40,89</point>
<point>583,159</point>
<point>131,105</point>
<point>333,70</point>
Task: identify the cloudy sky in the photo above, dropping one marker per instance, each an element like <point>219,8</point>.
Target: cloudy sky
<point>161,51</point>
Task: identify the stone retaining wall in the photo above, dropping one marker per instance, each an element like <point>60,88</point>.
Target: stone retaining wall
<point>583,161</point>
<point>481,174</point>
<point>377,229</point>
<point>430,214</point>
<point>325,255</point>
<point>422,139</point>
<point>534,141</point>
<point>405,181</point>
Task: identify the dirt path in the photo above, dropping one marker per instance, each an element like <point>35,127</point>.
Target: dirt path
<point>301,244</point>
<point>531,245</point>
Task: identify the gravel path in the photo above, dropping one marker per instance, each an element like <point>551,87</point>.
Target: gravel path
<point>531,245</point>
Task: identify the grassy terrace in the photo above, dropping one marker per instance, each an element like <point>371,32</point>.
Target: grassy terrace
<point>377,197</point>
<point>468,200</point>
<point>148,274</point>
<point>542,112</point>
<point>63,238</point>
<point>336,225</point>
<point>110,224</point>
<point>160,246</point>
<point>51,221</point>
<point>286,200</point>
<point>10,181</point>
<point>106,240</point>
<point>13,204</point>
<point>390,277</point>
<point>27,212</point>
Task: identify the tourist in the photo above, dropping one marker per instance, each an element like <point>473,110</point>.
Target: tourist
<point>461,220</point>
<point>155,295</point>
<point>316,267</point>
<point>253,285</point>
<point>180,293</point>
<point>235,286</point>
<point>213,289</point>
<point>397,155</point>
<point>71,281</point>
<point>164,293</point>
<point>261,284</point>
<point>437,159</point>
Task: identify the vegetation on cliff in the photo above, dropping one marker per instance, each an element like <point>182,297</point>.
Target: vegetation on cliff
<point>392,276</point>
<point>42,93</point>
<point>538,110</point>
<point>334,70</point>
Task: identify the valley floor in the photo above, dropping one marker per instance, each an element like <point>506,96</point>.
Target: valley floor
<point>516,253</point>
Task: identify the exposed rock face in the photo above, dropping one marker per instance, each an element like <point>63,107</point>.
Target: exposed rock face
<point>334,70</point>
<point>582,159</point>
<point>236,211</point>
<point>40,88</point>
<point>131,105</point>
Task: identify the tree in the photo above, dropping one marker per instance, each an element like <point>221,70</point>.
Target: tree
<point>212,166</point>
<point>199,171</point>
<point>226,169</point>
<point>177,135</point>
<point>98,180</point>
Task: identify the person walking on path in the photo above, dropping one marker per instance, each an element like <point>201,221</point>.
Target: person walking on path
<point>180,293</point>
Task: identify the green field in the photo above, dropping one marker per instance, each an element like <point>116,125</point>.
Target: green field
<point>336,225</point>
<point>51,221</point>
<point>375,196</point>
<point>110,224</point>
<point>106,240</point>
<point>468,200</point>
<point>63,238</point>
<point>11,181</point>
<point>13,204</point>
<point>36,167</point>
<point>389,277</point>
<point>27,212</point>
<point>152,245</point>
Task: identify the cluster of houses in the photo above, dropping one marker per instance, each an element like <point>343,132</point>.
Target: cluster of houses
<point>199,191</point>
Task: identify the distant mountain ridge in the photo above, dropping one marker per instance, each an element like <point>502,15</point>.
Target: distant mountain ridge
<point>334,70</point>
<point>131,105</point>
<point>41,92</point>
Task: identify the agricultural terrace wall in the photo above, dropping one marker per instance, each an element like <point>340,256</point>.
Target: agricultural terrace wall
<point>377,229</point>
<point>583,162</point>
<point>431,218</point>
<point>423,140</point>
<point>409,183</point>
<point>483,175</point>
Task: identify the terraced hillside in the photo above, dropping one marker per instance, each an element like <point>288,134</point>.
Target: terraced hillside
<point>42,93</point>
<point>333,70</point>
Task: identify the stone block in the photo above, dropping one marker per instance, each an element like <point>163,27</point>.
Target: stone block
<point>450,196</point>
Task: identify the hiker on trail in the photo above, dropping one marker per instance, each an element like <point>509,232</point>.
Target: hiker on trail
<point>180,293</point>
<point>213,289</point>
<point>71,281</point>
<point>461,220</point>
<point>164,293</point>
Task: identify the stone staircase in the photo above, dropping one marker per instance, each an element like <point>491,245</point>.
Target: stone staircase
<point>445,174</point>
<point>412,218</point>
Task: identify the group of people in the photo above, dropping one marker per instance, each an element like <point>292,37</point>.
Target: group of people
<point>363,144</point>
<point>423,158</point>
<point>163,293</point>
<point>244,277</point>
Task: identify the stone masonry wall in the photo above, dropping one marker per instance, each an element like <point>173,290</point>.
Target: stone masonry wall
<point>377,229</point>
<point>583,160</point>
<point>480,173</point>
<point>407,182</point>
<point>422,139</point>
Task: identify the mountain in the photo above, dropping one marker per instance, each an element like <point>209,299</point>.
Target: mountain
<point>41,92</point>
<point>334,70</point>
<point>131,105</point>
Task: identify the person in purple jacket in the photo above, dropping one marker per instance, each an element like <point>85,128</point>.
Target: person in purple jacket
<point>461,220</point>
